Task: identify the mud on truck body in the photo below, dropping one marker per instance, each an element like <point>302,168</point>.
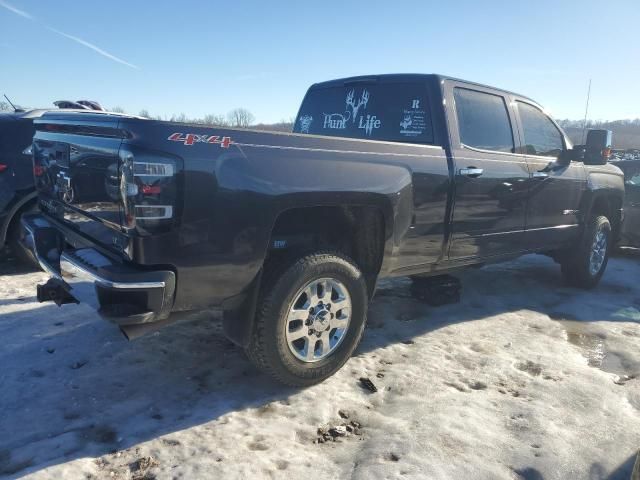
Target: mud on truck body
<point>287,234</point>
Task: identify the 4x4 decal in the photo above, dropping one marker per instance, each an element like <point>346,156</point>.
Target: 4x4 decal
<point>191,138</point>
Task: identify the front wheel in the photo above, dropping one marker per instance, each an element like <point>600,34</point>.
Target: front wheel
<point>310,318</point>
<point>585,266</point>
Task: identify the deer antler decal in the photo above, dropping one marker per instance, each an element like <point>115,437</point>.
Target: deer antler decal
<point>362,102</point>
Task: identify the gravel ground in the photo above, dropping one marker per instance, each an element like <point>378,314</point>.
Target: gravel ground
<point>524,378</point>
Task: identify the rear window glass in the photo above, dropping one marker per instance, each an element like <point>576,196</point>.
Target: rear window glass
<point>392,112</point>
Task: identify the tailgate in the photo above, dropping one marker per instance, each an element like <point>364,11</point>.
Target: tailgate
<point>77,173</point>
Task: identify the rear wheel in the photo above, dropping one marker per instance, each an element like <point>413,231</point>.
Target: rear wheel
<point>585,266</point>
<point>310,318</point>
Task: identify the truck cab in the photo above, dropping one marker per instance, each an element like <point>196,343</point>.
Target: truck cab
<point>514,182</point>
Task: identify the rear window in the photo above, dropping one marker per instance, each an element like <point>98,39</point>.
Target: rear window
<point>392,112</point>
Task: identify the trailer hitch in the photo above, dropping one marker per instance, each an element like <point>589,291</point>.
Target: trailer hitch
<point>54,291</point>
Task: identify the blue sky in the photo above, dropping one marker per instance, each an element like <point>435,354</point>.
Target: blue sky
<point>199,57</point>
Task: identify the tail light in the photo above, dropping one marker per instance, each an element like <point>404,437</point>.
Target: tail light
<point>149,189</point>
<point>3,167</point>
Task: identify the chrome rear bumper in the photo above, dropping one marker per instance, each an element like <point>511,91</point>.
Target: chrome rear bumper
<point>121,293</point>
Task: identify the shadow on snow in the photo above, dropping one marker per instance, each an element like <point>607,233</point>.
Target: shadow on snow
<point>74,388</point>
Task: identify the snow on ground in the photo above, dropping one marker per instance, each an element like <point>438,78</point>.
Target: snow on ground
<point>525,378</point>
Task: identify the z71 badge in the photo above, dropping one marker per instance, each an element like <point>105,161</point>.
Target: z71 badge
<point>191,138</point>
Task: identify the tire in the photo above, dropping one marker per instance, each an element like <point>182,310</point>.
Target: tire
<point>284,290</point>
<point>578,268</point>
<point>13,239</point>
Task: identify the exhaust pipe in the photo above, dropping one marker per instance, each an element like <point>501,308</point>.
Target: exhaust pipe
<point>132,332</point>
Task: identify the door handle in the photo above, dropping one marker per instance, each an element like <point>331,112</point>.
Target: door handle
<point>472,172</point>
<point>540,175</point>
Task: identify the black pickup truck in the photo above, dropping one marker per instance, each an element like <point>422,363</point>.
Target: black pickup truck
<point>287,234</point>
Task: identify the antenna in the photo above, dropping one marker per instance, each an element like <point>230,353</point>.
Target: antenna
<point>11,103</point>
<point>586,111</point>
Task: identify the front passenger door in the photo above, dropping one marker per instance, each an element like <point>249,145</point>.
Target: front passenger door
<point>555,187</point>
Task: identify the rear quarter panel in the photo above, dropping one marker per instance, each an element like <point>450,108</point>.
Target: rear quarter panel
<point>234,193</point>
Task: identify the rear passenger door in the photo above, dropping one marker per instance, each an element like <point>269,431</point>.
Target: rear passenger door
<point>490,177</point>
<point>555,187</point>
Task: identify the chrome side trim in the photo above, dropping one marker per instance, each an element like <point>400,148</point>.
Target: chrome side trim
<point>557,227</point>
<point>509,232</point>
<point>464,146</point>
<point>325,150</point>
<point>72,272</point>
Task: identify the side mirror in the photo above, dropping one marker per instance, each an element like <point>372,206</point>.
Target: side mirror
<point>598,147</point>
<point>575,154</point>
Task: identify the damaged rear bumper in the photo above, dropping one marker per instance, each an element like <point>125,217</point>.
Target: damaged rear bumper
<point>131,297</point>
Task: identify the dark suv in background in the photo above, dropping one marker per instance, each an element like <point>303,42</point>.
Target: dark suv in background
<point>631,226</point>
<point>17,189</point>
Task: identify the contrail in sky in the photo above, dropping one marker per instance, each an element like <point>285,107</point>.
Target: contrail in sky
<point>15,10</point>
<point>93,47</point>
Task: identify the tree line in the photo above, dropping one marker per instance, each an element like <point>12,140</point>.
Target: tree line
<point>237,118</point>
<point>626,133</point>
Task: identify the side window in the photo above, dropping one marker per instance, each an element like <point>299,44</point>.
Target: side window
<point>483,120</point>
<point>541,136</point>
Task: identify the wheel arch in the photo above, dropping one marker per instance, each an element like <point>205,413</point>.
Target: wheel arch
<point>12,216</point>
<point>608,203</point>
<point>365,223</point>
<point>358,230</point>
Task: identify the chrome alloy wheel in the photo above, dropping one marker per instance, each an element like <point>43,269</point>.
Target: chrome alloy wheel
<point>318,319</point>
<point>598,252</point>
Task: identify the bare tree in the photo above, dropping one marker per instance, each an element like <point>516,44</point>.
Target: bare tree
<point>215,120</point>
<point>181,118</point>
<point>5,107</point>
<point>144,113</point>
<point>240,117</point>
<point>117,109</point>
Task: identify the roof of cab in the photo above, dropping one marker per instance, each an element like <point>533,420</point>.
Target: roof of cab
<point>403,77</point>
